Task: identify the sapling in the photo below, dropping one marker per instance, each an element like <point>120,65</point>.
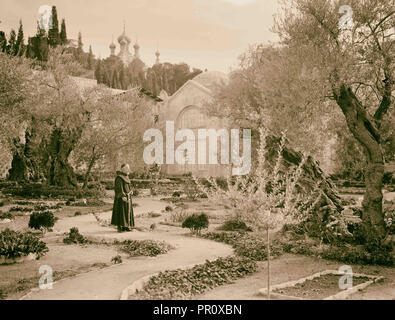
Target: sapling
<point>267,198</point>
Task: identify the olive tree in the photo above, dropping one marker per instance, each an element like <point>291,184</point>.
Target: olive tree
<point>349,60</point>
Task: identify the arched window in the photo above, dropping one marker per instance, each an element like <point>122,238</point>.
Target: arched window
<point>191,118</point>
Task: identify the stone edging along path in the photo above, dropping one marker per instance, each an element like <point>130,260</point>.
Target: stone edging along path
<point>338,296</point>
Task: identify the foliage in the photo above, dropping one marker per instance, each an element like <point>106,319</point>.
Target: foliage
<point>6,215</point>
<point>44,207</point>
<point>269,196</point>
<point>74,236</point>
<point>42,220</point>
<point>115,126</point>
<point>14,244</point>
<point>352,254</point>
<point>252,246</point>
<point>116,259</point>
<point>20,209</point>
<point>184,284</point>
<point>350,69</point>
<point>178,215</point>
<point>148,248</point>
<point>176,194</point>
<point>196,223</point>
<point>168,208</point>
<point>38,190</point>
<point>234,225</point>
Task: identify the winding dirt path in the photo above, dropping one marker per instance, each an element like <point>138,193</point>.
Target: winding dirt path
<point>108,283</point>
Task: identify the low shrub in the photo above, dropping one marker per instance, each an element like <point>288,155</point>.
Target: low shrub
<point>352,254</point>
<point>117,259</point>
<point>20,209</point>
<point>14,244</point>
<point>234,225</point>
<point>168,208</point>
<point>75,237</point>
<point>4,202</point>
<point>178,215</point>
<point>153,214</point>
<point>45,207</point>
<point>252,246</point>
<point>37,190</point>
<point>25,203</point>
<point>42,220</point>
<point>77,213</point>
<point>149,248</point>
<point>6,215</point>
<point>184,284</point>
<point>196,223</point>
<point>176,194</point>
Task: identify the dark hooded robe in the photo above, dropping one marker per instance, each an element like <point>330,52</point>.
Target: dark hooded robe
<point>122,212</point>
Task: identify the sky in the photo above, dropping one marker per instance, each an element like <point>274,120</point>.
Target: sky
<point>206,34</point>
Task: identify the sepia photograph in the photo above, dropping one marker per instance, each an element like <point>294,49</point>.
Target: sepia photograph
<point>206,156</point>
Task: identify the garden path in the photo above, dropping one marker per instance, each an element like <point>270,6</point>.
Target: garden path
<point>108,283</point>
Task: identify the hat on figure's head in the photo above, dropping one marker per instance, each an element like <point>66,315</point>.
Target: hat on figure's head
<point>125,168</point>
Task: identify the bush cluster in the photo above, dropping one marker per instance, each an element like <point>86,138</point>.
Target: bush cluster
<point>37,190</point>
<point>196,222</point>
<point>44,207</point>
<point>14,244</point>
<point>184,284</point>
<point>44,220</point>
<point>367,254</point>
<point>74,236</point>
<point>20,209</point>
<point>5,215</point>
<point>148,248</point>
<point>247,245</point>
<point>234,225</point>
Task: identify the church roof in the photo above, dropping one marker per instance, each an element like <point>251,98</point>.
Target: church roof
<point>211,79</point>
<point>123,37</point>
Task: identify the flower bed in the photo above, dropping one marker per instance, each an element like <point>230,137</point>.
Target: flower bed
<point>148,248</point>
<point>14,245</point>
<point>319,286</point>
<point>184,284</point>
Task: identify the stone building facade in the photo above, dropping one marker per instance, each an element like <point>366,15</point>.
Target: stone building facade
<point>185,108</point>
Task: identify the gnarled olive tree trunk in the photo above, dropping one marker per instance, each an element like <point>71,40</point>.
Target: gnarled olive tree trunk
<point>364,129</point>
<point>60,172</point>
<point>25,165</point>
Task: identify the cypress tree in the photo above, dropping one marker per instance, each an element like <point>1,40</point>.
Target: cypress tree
<point>90,61</point>
<point>80,44</point>
<point>39,45</point>
<point>19,44</point>
<point>63,33</point>
<point>98,72</point>
<point>11,42</point>
<point>3,42</point>
<point>53,33</point>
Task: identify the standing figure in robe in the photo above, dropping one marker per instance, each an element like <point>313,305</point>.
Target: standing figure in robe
<point>122,212</point>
